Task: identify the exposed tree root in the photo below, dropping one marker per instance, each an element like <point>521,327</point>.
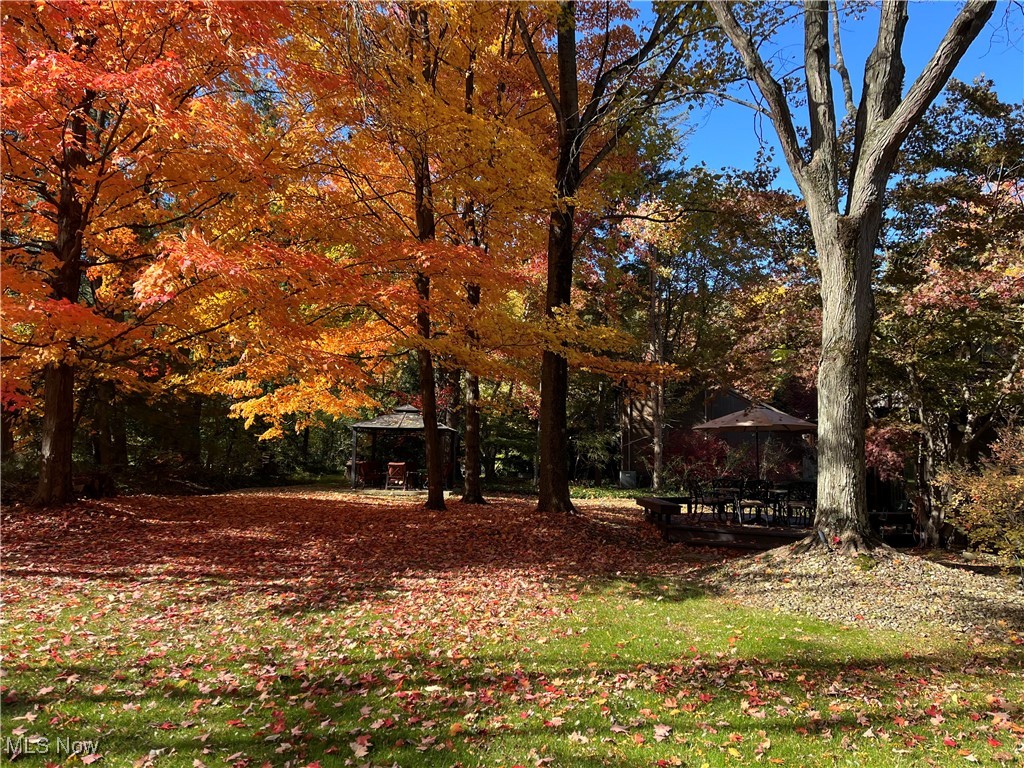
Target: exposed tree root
<point>559,507</point>
<point>849,543</point>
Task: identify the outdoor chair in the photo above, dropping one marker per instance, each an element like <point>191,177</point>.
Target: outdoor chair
<point>778,500</point>
<point>754,498</point>
<point>398,478</point>
<point>366,474</point>
<point>708,497</point>
<point>800,503</point>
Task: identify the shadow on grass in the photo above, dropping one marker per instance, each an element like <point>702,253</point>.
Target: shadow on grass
<point>836,695</point>
<point>259,539</point>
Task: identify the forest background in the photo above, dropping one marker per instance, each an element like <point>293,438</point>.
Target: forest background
<point>230,230</point>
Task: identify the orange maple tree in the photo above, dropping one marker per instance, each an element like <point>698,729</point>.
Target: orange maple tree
<point>123,136</point>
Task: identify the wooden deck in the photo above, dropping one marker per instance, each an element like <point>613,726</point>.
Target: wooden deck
<point>680,519</point>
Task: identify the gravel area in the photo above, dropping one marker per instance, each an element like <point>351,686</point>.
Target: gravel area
<point>888,589</point>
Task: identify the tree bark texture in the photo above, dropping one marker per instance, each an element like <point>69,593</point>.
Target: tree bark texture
<point>428,403</point>
<point>58,430</point>
<point>554,375</point>
<point>472,492</point>
<point>58,433</point>
<point>842,380</point>
<point>425,231</point>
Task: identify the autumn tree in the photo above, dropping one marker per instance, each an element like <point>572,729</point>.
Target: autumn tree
<point>413,173</point>
<point>709,258</point>
<point>600,81</point>
<point>119,132</point>
<point>946,361</point>
<point>845,202</point>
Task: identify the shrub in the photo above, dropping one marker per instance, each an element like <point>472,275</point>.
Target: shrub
<point>988,504</point>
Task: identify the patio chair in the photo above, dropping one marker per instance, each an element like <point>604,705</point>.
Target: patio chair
<point>800,503</point>
<point>398,477</point>
<point>754,498</point>
<point>364,474</point>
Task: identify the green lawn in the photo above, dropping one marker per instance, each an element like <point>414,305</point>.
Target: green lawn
<point>161,657</point>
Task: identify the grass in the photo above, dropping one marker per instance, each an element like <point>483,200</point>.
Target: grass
<point>169,667</point>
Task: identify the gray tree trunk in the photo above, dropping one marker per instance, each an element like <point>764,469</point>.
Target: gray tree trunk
<point>845,240</point>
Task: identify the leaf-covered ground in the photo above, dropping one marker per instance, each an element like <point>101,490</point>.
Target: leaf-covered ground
<point>298,627</point>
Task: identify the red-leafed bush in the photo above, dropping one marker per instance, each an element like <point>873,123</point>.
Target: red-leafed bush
<point>694,456</point>
<point>886,448</point>
<point>988,504</point>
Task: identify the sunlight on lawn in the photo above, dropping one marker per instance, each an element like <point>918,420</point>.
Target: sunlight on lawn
<point>584,651</point>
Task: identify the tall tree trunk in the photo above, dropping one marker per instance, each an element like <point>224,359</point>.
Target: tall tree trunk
<point>58,434</point>
<point>658,392</point>
<point>658,436</point>
<point>425,231</point>
<point>554,372</point>
<point>428,402</point>
<point>930,517</point>
<point>58,431</point>
<point>843,246</point>
<point>472,492</point>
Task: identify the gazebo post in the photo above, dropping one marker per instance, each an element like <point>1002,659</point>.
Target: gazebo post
<point>757,454</point>
<point>453,444</point>
<point>354,434</point>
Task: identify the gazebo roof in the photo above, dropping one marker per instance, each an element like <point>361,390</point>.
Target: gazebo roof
<point>403,418</point>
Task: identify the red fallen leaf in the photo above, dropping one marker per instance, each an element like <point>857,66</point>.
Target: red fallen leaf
<point>949,742</point>
<point>994,742</point>
<point>638,738</point>
<point>91,758</point>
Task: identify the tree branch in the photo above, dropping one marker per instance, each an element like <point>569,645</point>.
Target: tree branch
<point>542,76</point>
<point>840,65</point>
<point>818,74</point>
<point>876,151</point>
<point>768,85</point>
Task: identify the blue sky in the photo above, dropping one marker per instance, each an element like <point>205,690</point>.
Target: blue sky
<point>727,135</point>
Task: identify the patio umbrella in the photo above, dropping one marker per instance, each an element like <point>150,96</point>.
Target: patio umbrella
<point>757,419</point>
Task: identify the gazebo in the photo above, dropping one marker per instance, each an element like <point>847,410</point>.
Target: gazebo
<point>404,421</point>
